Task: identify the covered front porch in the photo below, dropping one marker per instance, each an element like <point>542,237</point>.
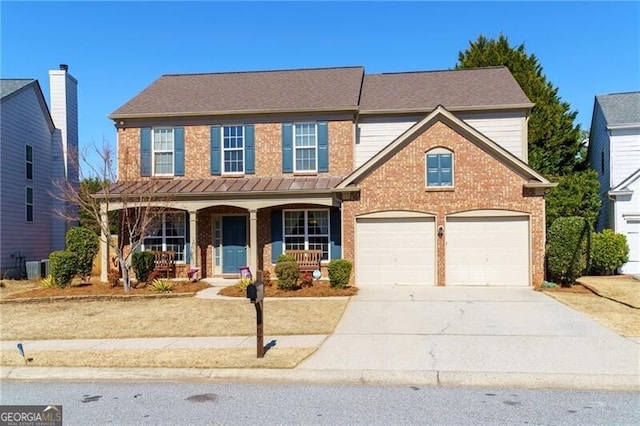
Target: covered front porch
<point>220,230</point>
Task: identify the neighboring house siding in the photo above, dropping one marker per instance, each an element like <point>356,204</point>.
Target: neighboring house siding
<point>481,182</point>
<point>625,154</point>
<point>24,122</point>
<point>268,150</point>
<point>508,129</point>
<point>599,140</point>
<point>627,209</point>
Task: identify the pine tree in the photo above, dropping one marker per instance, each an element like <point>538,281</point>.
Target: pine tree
<point>554,141</point>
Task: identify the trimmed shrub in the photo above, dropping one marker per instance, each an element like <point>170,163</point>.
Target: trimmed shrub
<point>567,249</point>
<point>339,273</point>
<point>286,258</point>
<point>63,266</point>
<point>609,251</point>
<point>288,274</point>
<point>84,243</point>
<point>143,262</point>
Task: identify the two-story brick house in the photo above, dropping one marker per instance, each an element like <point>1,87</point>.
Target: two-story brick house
<point>417,178</point>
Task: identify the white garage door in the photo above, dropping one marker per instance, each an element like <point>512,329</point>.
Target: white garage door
<point>395,251</point>
<point>487,251</point>
<point>633,239</point>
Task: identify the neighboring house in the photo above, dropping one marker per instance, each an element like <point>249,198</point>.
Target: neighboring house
<point>614,152</point>
<point>35,149</point>
<point>418,178</point>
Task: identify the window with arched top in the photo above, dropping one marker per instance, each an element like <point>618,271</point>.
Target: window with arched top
<point>439,168</point>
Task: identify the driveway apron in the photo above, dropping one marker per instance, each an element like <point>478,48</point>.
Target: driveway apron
<point>471,329</point>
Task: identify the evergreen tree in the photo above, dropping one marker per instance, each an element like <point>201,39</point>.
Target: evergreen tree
<point>554,141</point>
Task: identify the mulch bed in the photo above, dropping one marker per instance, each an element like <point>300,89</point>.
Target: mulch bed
<point>576,288</point>
<point>320,289</point>
<point>103,289</point>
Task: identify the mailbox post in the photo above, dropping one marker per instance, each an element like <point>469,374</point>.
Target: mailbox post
<point>255,293</point>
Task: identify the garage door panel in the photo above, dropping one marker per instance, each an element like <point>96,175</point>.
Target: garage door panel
<point>487,251</point>
<point>395,251</point>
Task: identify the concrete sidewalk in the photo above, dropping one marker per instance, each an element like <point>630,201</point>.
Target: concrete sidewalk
<point>406,335</point>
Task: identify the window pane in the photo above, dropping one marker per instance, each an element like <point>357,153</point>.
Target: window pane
<point>293,243</point>
<point>29,171</point>
<point>164,163</point>
<point>305,159</point>
<point>174,224</point>
<point>29,213</point>
<point>233,161</point>
<point>163,139</point>
<point>446,178</point>
<point>30,195</point>
<point>29,153</point>
<point>432,161</point>
<point>318,222</point>
<point>445,161</point>
<point>320,243</point>
<point>294,223</point>
<point>433,178</point>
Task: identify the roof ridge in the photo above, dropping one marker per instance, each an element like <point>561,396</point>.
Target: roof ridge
<point>265,71</point>
<point>441,70</point>
<point>17,79</point>
<point>620,93</point>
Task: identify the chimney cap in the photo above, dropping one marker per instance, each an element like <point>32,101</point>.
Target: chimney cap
<point>64,67</point>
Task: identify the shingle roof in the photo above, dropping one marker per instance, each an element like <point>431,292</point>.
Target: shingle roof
<point>453,89</point>
<point>620,108</point>
<point>11,85</point>
<point>321,89</point>
<point>222,186</point>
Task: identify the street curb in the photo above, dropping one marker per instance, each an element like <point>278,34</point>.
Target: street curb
<point>610,382</point>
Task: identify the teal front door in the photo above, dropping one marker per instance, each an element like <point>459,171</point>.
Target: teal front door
<point>234,243</point>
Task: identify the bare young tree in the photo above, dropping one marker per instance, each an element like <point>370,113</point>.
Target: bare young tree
<point>136,202</point>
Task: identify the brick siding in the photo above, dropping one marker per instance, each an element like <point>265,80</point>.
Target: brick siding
<point>481,182</point>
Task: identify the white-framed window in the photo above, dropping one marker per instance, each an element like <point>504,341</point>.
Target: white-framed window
<point>439,168</point>
<point>233,149</point>
<point>168,233</point>
<point>163,152</point>
<point>29,204</point>
<point>305,147</point>
<point>28,156</point>
<point>306,230</point>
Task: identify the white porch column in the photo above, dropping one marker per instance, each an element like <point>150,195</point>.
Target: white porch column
<point>193,238</point>
<point>253,242</point>
<point>104,246</point>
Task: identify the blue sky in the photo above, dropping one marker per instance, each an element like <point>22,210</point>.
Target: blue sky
<point>115,49</point>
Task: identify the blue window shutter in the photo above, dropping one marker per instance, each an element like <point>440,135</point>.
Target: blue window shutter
<point>276,235</point>
<point>249,150</point>
<point>335,222</point>
<point>323,146</point>
<point>145,151</point>
<point>178,146</point>
<point>187,245</point>
<point>287,147</point>
<point>215,150</point>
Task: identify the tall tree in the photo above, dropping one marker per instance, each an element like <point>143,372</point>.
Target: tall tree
<point>554,141</point>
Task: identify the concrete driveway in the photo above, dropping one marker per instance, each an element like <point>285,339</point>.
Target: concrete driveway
<point>486,330</point>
